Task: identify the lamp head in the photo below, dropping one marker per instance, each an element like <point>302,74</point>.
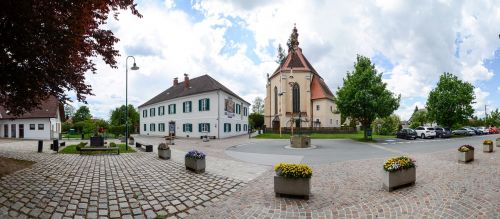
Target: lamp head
<point>135,67</point>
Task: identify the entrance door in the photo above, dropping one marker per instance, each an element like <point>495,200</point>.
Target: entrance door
<point>21,130</point>
<point>5,131</point>
<point>13,130</point>
<point>171,128</point>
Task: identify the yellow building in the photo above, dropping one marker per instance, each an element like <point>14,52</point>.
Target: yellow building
<point>296,95</point>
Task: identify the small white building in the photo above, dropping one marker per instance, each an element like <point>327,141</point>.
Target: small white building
<point>194,108</point>
<point>39,124</point>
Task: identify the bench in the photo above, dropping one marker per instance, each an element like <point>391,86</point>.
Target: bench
<point>88,149</point>
<point>148,148</point>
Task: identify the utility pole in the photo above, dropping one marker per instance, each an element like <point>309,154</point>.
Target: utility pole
<point>485,114</point>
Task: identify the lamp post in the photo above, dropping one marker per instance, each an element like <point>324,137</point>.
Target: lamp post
<point>134,67</point>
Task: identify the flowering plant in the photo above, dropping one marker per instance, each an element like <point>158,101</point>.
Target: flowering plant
<point>293,170</point>
<point>465,148</point>
<point>163,146</point>
<point>488,142</point>
<point>398,163</point>
<point>194,154</point>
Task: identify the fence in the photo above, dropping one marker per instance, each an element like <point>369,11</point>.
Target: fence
<point>308,130</point>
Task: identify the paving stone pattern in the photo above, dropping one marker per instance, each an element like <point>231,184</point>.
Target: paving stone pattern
<point>353,189</point>
<point>135,185</point>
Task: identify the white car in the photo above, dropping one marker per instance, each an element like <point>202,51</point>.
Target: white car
<point>425,132</point>
<point>483,130</point>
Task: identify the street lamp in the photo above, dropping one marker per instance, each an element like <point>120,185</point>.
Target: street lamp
<point>134,67</point>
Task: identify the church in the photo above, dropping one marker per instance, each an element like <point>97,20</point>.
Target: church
<point>296,95</point>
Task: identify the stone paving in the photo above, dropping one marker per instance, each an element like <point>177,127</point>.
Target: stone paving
<point>135,185</point>
<point>353,189</point>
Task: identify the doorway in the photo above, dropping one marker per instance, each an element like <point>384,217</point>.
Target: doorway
<point>5,131</point>
<point>276,124</point>
<point>13,130</point>
<point>171,128</point>
<point>21,130</point>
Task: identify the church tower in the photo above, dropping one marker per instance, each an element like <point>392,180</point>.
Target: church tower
<point>296,95</point>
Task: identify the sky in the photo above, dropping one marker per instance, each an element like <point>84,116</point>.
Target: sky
<point>235,41</point>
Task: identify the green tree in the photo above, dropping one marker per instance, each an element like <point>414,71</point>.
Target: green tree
<point>258,106</point>
<point>451,101</point>
<point>256,120</point>
<point>493,118</point>
<point>387,126</point>
<point>364,96</point>
<point>66,126</point>
<point>118,119</point>
<point>69,111</point>
<point>89,126</point>
<point>281,57</point>
<point>419,118</point>
<point>82,114</point>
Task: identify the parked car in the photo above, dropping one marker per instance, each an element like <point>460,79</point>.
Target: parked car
<point>493,130</point>
<point>484,130</point>
<point>407,133</point>
<point>476,131</point>
<point>464,131</point>
<point>425,132</point>
<point>442,132</point>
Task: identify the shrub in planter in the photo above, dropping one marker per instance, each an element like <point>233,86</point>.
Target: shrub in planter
<point>292,179</point>
<point>131,140</point>
<point>164,151</point>
<point>465,153</point>
<point>195,161</point>
<point>398,172</point>
<point>487,146</point>
<point>80,145</point>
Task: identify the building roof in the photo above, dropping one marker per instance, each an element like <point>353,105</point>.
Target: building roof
<point>197,85</point>
<point>319,89</point>
<point>48,109</point>
<point>297,61</point>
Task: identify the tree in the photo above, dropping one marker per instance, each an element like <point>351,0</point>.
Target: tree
<point>48,46</point>
<point>82,114</point>
<point>256,120</point>
<point>364,96</point>
<point>118,119</point>
<point>387,126</point>
<point>258,106</point>
<point>69,111</point>
<point>419,118</point>
<point>280,59</point>
<point>451,101</point>
<point>493,118</point>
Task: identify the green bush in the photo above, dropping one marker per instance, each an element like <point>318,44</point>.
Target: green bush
<point>386,126</point>
<point>112,144</point>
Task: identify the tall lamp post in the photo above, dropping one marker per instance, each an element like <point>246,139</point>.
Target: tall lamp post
<point>134,67</point>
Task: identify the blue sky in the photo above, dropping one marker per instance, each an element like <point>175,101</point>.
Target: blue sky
<point>235,42</point>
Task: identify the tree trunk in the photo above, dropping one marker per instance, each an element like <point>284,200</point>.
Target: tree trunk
<point>365,130</point>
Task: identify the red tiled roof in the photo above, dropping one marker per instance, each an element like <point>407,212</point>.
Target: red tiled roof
<point>297,61</point>
<point>319,89</point>
<point>48,109</point>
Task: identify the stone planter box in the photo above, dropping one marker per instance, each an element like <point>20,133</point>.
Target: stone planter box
<point>195,165</point>
<point>131,141</point>
<point>465,156</point>
<point>300,141</point>
<point>487,148</point>
<point>96,141</point>
<point>292,186</point>
<point>398,179</point>
<point>164,154</point>
<point>498,143</point>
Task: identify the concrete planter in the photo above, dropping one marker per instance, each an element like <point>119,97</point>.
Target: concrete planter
<point>398,179</point>
<point>487,148</point>
<point>466,156</point>
<point>498,143</point>
<point>131,141</point>
<point>300,141</point>
<point>164,154</point>
<point>195,165</point>
<point>292,186</point>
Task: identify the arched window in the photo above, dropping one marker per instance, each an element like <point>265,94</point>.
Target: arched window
<point>296,98</point>
<point>275,100</point>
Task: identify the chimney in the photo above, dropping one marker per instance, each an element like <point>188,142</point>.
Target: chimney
<point>186,81</point>
<point>176,81</point>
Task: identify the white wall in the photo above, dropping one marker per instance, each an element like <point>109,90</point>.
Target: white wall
<point>28,134</point>
<point>195,116</point>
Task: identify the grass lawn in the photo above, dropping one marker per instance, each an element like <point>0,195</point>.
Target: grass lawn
<point>71,149</point>
<point>9,165</point>
<point>354,136</point>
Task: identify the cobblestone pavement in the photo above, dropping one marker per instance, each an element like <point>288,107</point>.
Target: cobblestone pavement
<point>135,185</point>
<point>353,189</point>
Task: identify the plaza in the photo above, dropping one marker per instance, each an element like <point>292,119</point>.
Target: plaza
<point>346,182</point>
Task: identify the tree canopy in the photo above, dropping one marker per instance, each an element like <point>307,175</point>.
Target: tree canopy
<point>256,120</point>
<point>364,96</point>
<point>82,114</point>
<point>258,106</point>
<point>451,101</point>
<point>48,46</point>
<point>118,119</point>
<point>419,118</point>
<point>387,126</point>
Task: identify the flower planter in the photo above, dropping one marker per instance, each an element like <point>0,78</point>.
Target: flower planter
<point>487,148</point>
<point>466,156</point>
<point>498,143</point>
<point>398,179</point>
<point>300,141</point>
<point>195,165</point>
<point>164,154</point>
<point>292,186</point>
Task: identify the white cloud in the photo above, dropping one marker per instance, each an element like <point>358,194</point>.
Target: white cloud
<point>481,102</point>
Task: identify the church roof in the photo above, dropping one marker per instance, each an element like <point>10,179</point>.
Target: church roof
<point>197,85</point>
<point>319,89</point>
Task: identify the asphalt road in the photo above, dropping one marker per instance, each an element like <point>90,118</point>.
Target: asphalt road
<point>269,152</point>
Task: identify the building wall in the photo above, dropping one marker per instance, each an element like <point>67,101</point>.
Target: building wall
<point>28,134</point>
<point>215,116</point>
<point>325,114</point>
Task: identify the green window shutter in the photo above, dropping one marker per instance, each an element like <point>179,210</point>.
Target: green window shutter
<point>184,107</point>
<point>199,105</point>
<point>175,107</point>
<point>183,127</point>
<point>208,125</point>
<point>208,104</point>
<point>191,127</point>
<point>190,106</point>
<point>199,127</point>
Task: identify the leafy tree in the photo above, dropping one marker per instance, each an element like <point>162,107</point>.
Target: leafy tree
<point>48,46</point>
<point>118,119</point>
<point>66,126</point>
<point>419,118</point>
<point>258,106</point>
<point>364,96</point>
<point>256,120</point>
<point>451,101</point>
<point>387,126</point>
<point>69,111</point>
<point>493,118</point>
<point>82,114</point>
<point>89,126</point>
<point>280,59</point>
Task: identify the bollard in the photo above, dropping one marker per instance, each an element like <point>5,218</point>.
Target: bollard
<point>83,136</point>
<point>56,145</point>
<point>40,146</point>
